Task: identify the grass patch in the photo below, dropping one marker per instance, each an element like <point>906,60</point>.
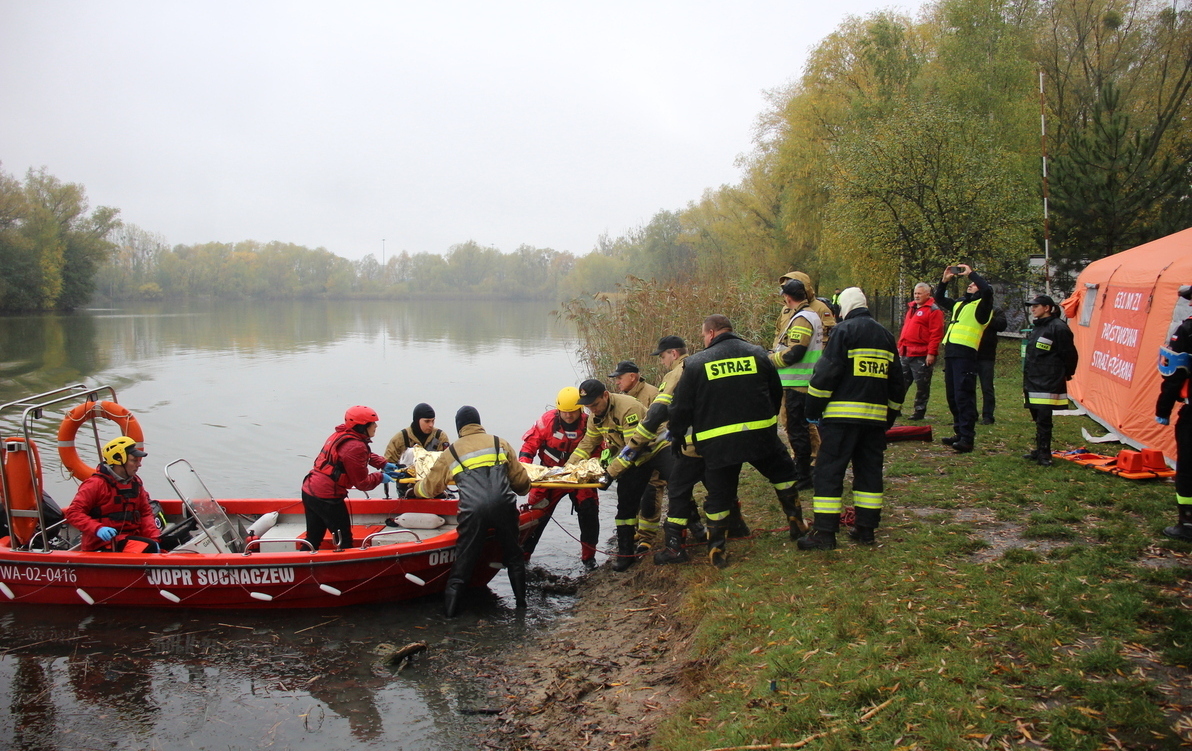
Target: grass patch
<point>923,642</point>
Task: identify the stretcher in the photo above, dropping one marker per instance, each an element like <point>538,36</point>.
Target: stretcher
<point>1147,464</point>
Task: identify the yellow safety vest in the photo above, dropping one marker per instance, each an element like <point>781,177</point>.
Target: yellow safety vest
<point>964,329</point>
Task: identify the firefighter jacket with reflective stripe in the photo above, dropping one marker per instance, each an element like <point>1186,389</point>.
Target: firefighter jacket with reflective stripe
<point>799,349</point>
<point>727,402</point>
<point>480,465</point>
<point>611,429</point>
<point>969,317</point>
<point>647,439</point>
<point>1175,386</point>
<point>407,438</point>
<point>1050,361</point>
<point>343,464</point>
<point>105,500</point>
<point>858,380</point>
<point>644,393</point>
<point>551,440</point>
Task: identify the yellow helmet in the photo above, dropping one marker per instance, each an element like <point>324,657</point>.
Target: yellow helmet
<point>119,449</point>
<point>568,399</point>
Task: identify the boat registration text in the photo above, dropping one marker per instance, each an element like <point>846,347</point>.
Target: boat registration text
<point>38,574</point>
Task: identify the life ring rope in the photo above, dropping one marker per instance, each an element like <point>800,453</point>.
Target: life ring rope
<point>87,412</point>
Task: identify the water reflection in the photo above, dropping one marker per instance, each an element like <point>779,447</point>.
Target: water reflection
<point>248,392</point>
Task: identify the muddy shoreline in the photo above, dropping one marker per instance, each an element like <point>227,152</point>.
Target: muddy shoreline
<point>615,665</point>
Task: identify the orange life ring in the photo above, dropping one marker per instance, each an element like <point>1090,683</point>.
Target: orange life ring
<point>22,490</point>
<point>89,411</point>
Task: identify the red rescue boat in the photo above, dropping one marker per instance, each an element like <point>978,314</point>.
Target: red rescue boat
<point>238,554</point>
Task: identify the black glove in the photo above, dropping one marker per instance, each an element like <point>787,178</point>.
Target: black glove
<point>891,417</point>
<point>605,481</point>
<point>678,444</point>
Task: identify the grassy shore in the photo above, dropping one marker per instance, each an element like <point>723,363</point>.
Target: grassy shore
<point>1006,604</point>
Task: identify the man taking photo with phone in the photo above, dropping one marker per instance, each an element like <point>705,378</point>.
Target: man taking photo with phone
<point>969,315</point>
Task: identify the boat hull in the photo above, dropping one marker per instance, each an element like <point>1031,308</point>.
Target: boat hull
<point>256,580</point>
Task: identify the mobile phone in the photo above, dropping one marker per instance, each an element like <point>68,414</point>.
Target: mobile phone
<point>956,270</point>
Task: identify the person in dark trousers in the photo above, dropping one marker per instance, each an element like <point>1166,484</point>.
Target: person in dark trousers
<point>727,403</point>
<point>919,345</point>
<point>489,478</point>
<point>1050,362</point>
<point>855,395</point>
<point>341,465</point>
<point>799,348</point>
<point>551,440</point>
<point>986,363</point>
<point>969,316</point>
<point>612,420</point>
<point>1175,365</point>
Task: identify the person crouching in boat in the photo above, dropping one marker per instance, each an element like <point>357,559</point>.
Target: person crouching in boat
<point>420,432</point>
<point>488,476</point>
<point>342,465</point>
<point>111,508</point>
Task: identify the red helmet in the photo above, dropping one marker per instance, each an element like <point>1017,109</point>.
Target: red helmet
<point>360,416</point>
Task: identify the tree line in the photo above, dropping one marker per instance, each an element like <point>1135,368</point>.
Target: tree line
<point>907,144</point>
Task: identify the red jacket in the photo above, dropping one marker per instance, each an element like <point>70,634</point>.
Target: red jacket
<point>551,439</point>
<point>343,464</point>
<point>922,330</point>
<point>104,500</point>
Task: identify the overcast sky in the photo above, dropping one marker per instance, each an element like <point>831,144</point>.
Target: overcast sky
<point>424,124</point>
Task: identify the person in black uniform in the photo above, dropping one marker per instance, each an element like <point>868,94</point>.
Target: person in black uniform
<point>1175,365</point>
<point>1050,363</point>
<point>968,317</point>
<point>728,400</point>
<point>855,395</point>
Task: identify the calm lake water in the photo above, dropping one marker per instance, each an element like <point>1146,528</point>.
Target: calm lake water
<point>247,392</point>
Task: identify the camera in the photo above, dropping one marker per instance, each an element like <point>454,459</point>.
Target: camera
<point>956,270</point>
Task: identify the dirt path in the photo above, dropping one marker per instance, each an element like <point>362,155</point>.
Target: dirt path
<point>605,675</point>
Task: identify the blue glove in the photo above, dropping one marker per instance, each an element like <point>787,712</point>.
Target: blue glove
<point>628,454</point>
<point>389,468</point>
<point>106,533</point>
<point>393,475</point>
<point>813,422</point>
<point>1162,420</point>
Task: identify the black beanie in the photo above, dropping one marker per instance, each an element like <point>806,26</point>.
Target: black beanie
<point>424,412</point>
<point>466,416</point>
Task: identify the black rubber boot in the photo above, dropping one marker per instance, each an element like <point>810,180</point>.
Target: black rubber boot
<point>1033,456</point>
<point>696,531</point>
<point>789,500</point>
<point>737,528</point>
<point>672,534</point>
<point>1183,528</point>
<point>625,557</point>
<point>823,533</point>
<point>517,581</point>
<point>451,600</point>
<point>717,547</point>
<point>868,521</point>
<point>1042,446</point>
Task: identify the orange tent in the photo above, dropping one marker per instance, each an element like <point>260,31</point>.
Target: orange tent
<point>1124,308</point>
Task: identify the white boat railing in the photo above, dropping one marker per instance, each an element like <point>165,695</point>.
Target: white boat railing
<point>34,409</point>
<point>216,528</point>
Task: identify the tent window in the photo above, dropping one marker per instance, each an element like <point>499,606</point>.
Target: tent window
<point>1087,305</point>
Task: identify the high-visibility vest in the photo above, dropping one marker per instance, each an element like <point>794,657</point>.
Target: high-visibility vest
<point>964,329</point>
<point>797,376</point>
